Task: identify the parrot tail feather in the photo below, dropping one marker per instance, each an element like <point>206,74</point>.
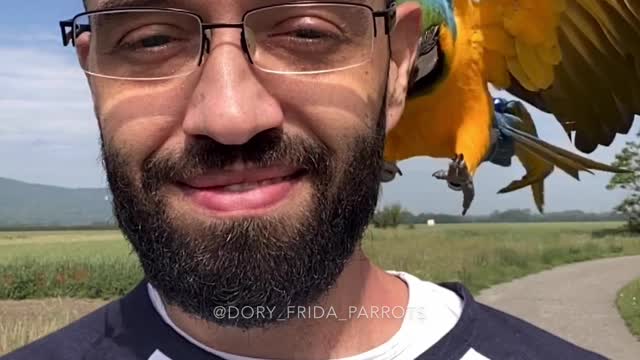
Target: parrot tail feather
<point>529,178</point>
<point>517,136</point>
<point>538,194</point>
<point>537,172</point>
<point>567,161</point>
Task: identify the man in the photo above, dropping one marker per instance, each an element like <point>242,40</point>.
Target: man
<point>242,142</point>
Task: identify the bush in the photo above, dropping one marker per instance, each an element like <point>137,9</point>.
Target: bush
<point>390,216</point>
<point>102,279</point>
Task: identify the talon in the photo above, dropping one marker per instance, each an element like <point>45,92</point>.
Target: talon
<point>468,195</point>
<point>458,179</point>
<point>440,174</point>
<point>389,171</point>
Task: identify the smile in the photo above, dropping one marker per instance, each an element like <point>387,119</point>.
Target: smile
<point>243,191</point>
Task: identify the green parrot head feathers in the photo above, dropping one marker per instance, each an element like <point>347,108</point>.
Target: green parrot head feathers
<point>435,12</point>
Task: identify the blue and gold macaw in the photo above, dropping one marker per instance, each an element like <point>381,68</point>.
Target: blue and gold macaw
<point>576,59</point>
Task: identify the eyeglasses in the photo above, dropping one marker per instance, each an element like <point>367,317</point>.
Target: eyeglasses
<point>145,43</point>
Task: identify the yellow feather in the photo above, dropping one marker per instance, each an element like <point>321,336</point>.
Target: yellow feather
<point>525,33</point>
<point>496,68</point>
<point>491,12</point>
<point>558,6</point>
<point>518,21</point>
<point>550,50</point>
<point>550,54</point>
<point>496,39</point>
<point>540,74</point>
<point>518,72</point>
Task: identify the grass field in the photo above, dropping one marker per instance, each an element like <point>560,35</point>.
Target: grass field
<point>26,320</point>
<point>100,265</point>
<point>629,306</point>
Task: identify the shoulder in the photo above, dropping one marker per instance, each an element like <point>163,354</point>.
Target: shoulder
<point>125,329</point>
<point>499,330</point>
<point>71,342</point>
<point>498,335</point>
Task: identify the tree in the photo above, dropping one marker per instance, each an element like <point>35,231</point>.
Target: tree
<point>629,158</point>
<point>390,216</point>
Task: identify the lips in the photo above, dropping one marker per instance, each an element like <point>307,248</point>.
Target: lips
<point>243,190</point>
<point>236,180</point>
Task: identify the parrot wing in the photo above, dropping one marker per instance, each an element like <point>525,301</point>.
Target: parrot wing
<point>576,59</point>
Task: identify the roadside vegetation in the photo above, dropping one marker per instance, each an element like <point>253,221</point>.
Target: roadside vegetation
<point>628,304</point>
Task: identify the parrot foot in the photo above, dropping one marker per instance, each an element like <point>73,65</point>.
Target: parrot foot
<point>458,179</point>
<point>389,171</point>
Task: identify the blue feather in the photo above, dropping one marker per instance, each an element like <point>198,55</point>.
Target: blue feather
<point>437,12</point>
<point>503,146</point>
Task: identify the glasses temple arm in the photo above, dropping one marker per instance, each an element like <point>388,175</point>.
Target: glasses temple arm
<point>68,36</point>
<point>389,15</point>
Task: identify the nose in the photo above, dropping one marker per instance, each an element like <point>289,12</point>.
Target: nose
<point>230,104</point>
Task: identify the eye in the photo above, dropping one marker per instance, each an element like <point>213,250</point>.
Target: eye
<point>308,28</point>
<point>429,40</point>
<point>154,41</point>
<point>152,36</point>
<point>309,33</point>
<point>147,38</point>
<point>428,56</point>
<point>157,43</point>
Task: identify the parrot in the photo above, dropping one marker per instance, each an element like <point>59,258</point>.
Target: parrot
<point>578,60</point>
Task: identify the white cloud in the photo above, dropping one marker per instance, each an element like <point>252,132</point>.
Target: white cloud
<point>48,131</point>
<point>43,96</point>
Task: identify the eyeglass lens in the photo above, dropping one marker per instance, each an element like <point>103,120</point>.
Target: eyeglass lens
<point>294,38</point>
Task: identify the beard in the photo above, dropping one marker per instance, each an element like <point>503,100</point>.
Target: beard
<point>268,264</point>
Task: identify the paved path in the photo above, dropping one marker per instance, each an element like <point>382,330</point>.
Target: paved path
<point>575,302</point>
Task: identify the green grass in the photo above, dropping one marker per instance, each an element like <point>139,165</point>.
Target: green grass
<point>628,304</point>
<point>482,255</point>
<point>100,264</point>
<point>55,265</point>
<point>81,264</point>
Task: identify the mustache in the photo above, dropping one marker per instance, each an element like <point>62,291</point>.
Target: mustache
<point>269,148</point>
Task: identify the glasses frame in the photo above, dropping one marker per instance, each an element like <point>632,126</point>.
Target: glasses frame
<point>70,32</point>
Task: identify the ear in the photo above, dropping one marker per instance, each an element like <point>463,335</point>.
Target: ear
<point>404,43</point>
<point>83,43</point>
<point>82,49</point>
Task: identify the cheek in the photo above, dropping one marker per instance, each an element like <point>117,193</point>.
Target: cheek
<point>334,107</point>
<point>140,117</point>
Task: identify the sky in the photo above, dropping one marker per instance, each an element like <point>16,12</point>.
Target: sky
<point>49,134</point>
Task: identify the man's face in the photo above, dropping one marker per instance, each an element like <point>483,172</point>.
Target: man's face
<point>238,187</point>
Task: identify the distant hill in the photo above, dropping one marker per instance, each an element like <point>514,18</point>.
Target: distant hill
<point>44,205</point>
<point>33,205</point>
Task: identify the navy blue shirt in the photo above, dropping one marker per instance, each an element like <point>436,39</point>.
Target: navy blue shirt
<point>131,329</point>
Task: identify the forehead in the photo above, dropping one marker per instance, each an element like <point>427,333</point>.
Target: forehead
<point>219,6</point>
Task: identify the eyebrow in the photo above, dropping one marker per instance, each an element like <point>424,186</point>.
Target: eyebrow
<point>110,4</point>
